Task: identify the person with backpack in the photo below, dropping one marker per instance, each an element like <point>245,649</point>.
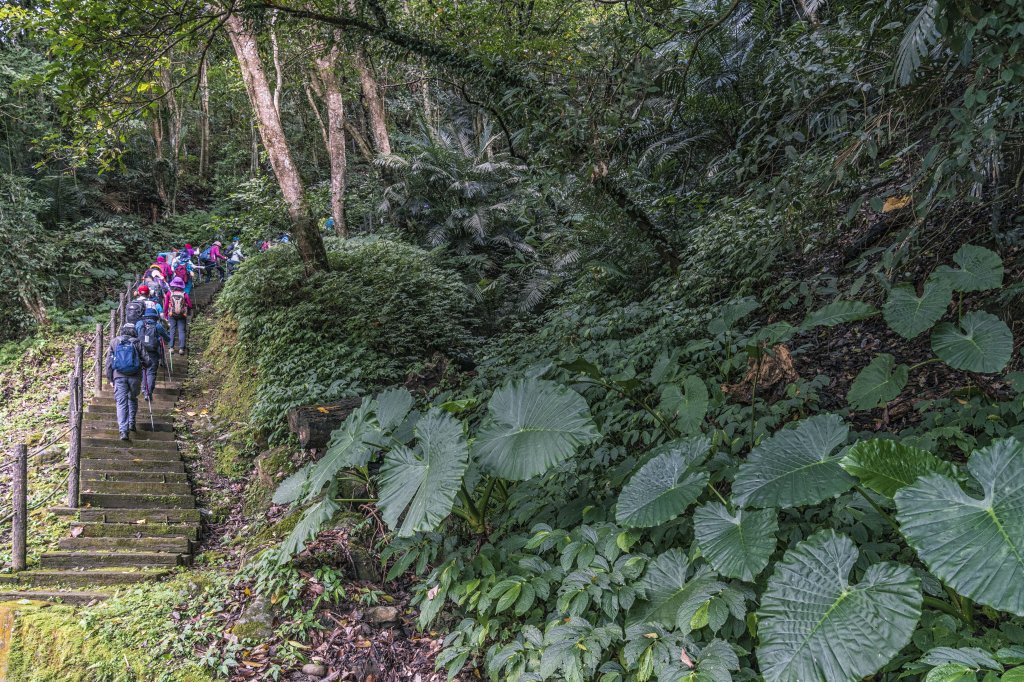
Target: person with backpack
<point>162,266</point>
<point>236,256</point>
<point>177,306</point>
<point>151,298</point>
<point>153,337</point>
<point>183,270</point>
<point>126,361</point>
<point>136,308</point>
<point>213,258</point>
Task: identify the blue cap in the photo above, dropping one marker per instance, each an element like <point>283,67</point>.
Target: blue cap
<point>151,312</point>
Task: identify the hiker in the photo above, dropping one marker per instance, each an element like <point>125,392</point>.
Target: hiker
<point>236,256</point>
<point>177,306</point>
<point>183,269</point>
<point>189,250</point>
<point>211,258</point>
<point>154,338</point>
<point>125,363</point>
<point>162,266</point>
<point>137,307</point>
<point>329,225</point>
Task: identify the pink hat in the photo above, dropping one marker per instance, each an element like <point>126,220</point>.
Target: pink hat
<point>178,283</point>
<point>161,259</point>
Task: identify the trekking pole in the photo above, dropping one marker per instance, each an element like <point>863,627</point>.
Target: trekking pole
<point>152,423</point>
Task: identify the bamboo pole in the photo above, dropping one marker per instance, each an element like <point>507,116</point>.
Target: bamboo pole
<point>97,361</point>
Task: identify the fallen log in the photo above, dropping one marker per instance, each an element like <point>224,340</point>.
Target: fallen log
<point>313,424</point>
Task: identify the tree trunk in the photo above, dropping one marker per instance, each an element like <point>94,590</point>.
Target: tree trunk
<point>313,424</point>
<point>159,176</point>
<point>204,120</point>
<point>175,118</point>
<point>374,103</point>
<point>304,231</point>
<point>325,65</point>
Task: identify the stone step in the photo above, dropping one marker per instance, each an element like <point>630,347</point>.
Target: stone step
<point>137,464</point>
<point>76,597</point>
<point>165,391</point>
<point>109,576</point>
<point>130,475</point>
<point>139,447</point>
<point>98,529</point>
<point>169,544</point>
<point>124,501</point>
<point>143,434</point>
<point>115,559</point>
<point>134,516</point>
<point>96,422</point>
<point>110,411</point>
<point>135,488</point>
<point>158,403</point>
<point>129,457</point>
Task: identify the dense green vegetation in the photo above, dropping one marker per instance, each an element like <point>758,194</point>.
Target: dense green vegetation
<point>721,303</point>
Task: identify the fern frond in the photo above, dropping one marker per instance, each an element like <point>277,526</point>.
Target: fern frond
<point>920,36</point>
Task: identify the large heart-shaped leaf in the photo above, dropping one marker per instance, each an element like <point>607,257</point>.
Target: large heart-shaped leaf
<point>839,312</point>
<point>878,383</point>
<point>980,270</point>
<point>983,344</point>
<point>666,589</point>
<point>392,407</point>
<point>350,446</point>
<point>976,546</point>
<point>885,466</point>
<point>308,526</point>
<point>686,407</point>
<point>426,480</point>
<point>796,466</point>
<point>532,425</point>
<point>665,486</point>
<point>815,625</point>
<point>908,315</point>
<point>736,545</point>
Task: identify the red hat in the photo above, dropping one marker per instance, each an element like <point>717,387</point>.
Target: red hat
<point>144,290</point>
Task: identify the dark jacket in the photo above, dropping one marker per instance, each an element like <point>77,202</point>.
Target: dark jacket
<point>144,359</point>
<point>161,331</point>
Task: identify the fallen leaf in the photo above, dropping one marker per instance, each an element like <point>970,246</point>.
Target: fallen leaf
<point>896,203</point>
<point>324,410</point>
<point>432,592</point>
<point>685,659</point>
<point>76,531</point>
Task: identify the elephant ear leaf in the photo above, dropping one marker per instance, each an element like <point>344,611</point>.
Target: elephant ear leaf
<point>976,546</point>
<point>308,526</point>
<point>885,466</point>
<point>688,406</point>
<point>910,316</point>
<point>667,588</point>
<point>532,426</point>
<point>810,608</point>
<point>736,545</point>
<point>664,487</point>
<point>983,343</point>
<point>878,383</point>
<point>796,466</point>
<point>392,407</point>
<point>980,270</point>
<point>839,312</point>
<point>423,483</point>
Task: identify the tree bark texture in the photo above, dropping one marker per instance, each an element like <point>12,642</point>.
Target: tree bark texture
<point>204,120</point>
<point>304,231</point>
<point>374,103</point>
<point>326,65</point>
<point>313,424</point>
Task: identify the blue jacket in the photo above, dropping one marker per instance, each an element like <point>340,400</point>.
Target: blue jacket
<point>160,331</point>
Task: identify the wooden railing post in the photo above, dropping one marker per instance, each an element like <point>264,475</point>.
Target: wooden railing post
<point>19,485</point>
<point>120,313</point>
<point>113,327</point>
<point>75,438</point>
<point>97,361</point>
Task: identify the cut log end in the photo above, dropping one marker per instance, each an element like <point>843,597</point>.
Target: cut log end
<point>313,424</point>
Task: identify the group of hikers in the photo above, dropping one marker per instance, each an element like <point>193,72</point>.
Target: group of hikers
<point>156,323</point>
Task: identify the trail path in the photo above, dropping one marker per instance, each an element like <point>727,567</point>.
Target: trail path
<point>137,518</point>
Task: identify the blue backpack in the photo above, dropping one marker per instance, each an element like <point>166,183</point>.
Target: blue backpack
<point>126,358</point>
<point>205,255</point>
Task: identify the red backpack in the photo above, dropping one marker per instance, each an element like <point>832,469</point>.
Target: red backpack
<point>182,271</point>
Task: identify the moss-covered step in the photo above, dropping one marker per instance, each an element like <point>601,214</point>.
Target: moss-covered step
<point>114,559</point>
<point>113,501</point>
<point>169,543</point>
<point>108,422</point>
<point>115,463</point>
<point>155,515</point>
<point>130,450</point>
<point>105,576</point>
<point>131,475</point>
<point>96,529</point>
<point>75,597</point>
<point>134,488</point>
<point>143,436</point>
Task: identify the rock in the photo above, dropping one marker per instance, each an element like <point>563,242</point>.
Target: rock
<point>256,621</point>
<point>315,670</point>
<point>382,615</point>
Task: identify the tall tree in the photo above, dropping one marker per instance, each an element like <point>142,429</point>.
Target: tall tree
<point>307,237</point>
<point>326,65</point>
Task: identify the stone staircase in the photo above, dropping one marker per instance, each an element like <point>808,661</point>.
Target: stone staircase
<point>137,518</point>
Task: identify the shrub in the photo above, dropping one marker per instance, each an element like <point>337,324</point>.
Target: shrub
<point>382,308</point>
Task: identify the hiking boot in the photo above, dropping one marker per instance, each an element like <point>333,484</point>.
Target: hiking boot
<point>132,428</point>
<point>124,436</point>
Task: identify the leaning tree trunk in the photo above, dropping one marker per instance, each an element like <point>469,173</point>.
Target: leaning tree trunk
<point>307,237</point>
<point>325,65</point>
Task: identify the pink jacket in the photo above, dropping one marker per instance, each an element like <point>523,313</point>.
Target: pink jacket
<point>167,303</point>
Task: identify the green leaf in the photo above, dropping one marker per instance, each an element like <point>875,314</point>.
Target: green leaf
<point>667,589</point>
<point>347,448</point>
<point>686,407</point>
<point>1013,675</point>
<point>976,546</point>
<point>392,407</point>
<point>908,315</point>
<point>983,343</point>
<point>794,467</point>
<point>839,312</point>
<point>878,383</point>
<point>737,546</point>
<point>663,487</point>
<point>980,270</point>
<point>814,625</point>
<point>307,527</point>
<point>424,483</point>
<point>885,466</point>
<point>920,35</point>
<point>951,672</point>
<point>532,425</point>
<point>291,488</point>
